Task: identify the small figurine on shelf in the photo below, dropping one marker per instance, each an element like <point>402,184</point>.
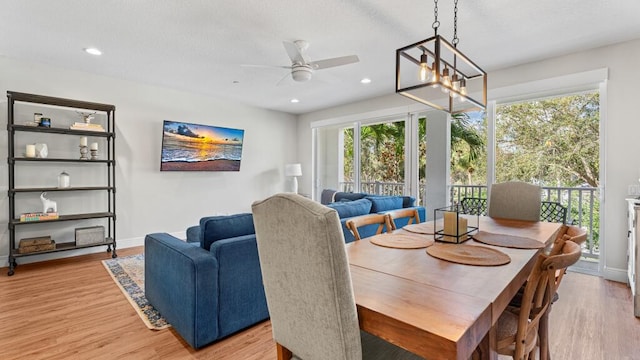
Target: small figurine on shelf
<point>86,117</point>
<point>48,206</point>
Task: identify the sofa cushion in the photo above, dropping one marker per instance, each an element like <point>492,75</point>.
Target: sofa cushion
<point>214,228</point>
<point>408,201</point>
<point>193,234</point>
<point>351,208</point>
<point>348,195</point>
<point>384,203</point>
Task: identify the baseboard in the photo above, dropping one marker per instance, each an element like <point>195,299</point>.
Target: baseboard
<point>121,244</point>
<point>613,274</point>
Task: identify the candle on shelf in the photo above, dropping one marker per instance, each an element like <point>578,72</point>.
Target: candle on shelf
<point>31,151</point>
<point>83,141</point>
<point>94,146</point>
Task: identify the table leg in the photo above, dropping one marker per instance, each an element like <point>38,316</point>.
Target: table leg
<point>487,350</point>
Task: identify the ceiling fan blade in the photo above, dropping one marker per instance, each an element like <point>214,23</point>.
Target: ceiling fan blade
<point>266,66</point>
<point>286,80</point>
<point>338,61</point>
<point>294,52</point>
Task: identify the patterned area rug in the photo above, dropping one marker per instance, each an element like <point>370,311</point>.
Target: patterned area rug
<point>128,274</point>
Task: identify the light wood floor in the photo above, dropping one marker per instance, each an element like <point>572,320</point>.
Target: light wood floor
<point>71,309</point>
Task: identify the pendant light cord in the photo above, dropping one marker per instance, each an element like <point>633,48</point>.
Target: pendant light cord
<point>436,23</point>
<point>455,24</point>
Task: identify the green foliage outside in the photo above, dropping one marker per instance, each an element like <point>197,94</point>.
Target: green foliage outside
<point>382,150</point>
<point>552,142</point>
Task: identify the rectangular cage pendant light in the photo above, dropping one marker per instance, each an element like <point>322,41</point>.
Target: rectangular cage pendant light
<point>437,74</point>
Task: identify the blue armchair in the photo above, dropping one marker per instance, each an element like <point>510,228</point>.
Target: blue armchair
<point>208,289</point>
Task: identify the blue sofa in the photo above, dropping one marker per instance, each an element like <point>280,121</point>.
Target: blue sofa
<point>211,285</point>
<point>350,205</point>
<point>207,288</point>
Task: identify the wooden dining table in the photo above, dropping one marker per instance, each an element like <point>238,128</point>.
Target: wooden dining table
<point>435,308</point>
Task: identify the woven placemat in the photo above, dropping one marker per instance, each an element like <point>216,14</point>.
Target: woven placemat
<point>402,241</point>
<point>510,241</point>
<point>421,228</point>
<point>469,254</point>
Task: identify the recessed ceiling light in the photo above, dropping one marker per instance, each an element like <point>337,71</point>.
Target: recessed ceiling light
<point>93,51</point>
<point>365,81</point>
<point>295,101</point>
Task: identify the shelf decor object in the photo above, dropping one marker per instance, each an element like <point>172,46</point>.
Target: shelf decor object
<point>452,226</point>
<point>89,235</point>
<point>64,180</point>
<point>30,151</point>
<point>99,123</point>
<point>94,151</point>
<point>434,72</point>
<point>83,148</point>
<point>42,151</point>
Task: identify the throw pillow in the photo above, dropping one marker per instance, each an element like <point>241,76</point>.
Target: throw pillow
<point>350,196</point>
<point>408,201</point>
<point>347,209</point>
<point>384,203</point>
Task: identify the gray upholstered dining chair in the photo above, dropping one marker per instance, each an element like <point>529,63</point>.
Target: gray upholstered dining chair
<point>515,200</point>
<point>308,283</point>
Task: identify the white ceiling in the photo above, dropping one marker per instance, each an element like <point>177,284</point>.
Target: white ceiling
<point>199,45</point>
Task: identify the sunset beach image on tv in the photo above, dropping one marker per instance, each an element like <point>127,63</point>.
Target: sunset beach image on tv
<point>193,147</point>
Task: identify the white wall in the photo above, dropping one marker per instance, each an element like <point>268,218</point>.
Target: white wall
<point>621,148</point>
<point>149,200</point>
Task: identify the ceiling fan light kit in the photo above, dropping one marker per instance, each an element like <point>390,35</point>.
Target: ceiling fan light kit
<point>434,72</point>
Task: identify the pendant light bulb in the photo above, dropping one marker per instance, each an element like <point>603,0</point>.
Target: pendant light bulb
<point>446,81</point>
<point>455,85</point>
<point>425,71</point>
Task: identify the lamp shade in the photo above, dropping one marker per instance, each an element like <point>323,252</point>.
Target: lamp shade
<point>293,170</point>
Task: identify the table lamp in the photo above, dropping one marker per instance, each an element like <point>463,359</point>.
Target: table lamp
<point>293,170</point>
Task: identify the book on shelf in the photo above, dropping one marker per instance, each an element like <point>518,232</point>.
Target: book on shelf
<point>38,216</point>
<point>88,127</point>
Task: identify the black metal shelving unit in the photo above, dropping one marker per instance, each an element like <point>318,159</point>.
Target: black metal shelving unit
<point>14,99</point>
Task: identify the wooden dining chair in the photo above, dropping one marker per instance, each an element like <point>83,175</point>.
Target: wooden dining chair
<point>412,214</point>
<point>552,211</point>
<point>515,200</point>
<point>383,221</point>
<point>307,283</point>
<point>517,330</point>
<point>474,206</point>
<point>568,233</point>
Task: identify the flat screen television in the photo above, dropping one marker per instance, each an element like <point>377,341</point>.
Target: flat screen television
<point>193,147</point>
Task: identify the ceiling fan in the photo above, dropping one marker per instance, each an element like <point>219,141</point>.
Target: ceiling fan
<point>301,67</point>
